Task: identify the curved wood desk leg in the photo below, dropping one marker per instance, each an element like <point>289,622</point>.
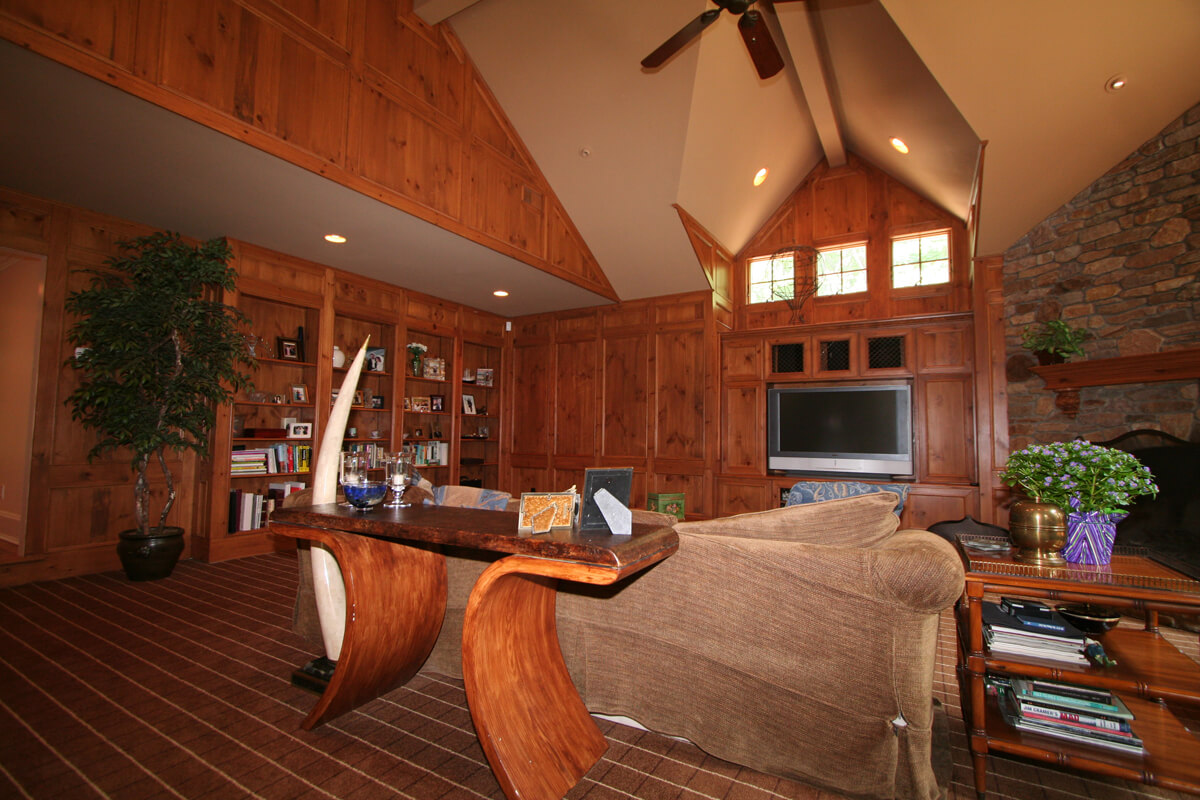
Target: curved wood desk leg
<point>532,724</point>
<point>395,604</point>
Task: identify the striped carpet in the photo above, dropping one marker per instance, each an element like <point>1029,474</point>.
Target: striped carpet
<point>180,689</point>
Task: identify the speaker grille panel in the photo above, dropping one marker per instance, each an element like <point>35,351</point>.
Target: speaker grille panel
<point>787,357</point>
<point>835,355</point>
<point>885,352</point>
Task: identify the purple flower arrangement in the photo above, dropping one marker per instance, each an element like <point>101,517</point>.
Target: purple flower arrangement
<point>1092,483</point>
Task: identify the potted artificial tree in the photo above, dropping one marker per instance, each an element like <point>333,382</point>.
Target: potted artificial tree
<point>157,351</point>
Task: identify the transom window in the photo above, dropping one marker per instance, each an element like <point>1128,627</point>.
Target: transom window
<point>772,278</point>
<point>842,270</point>
<point>921,260</point>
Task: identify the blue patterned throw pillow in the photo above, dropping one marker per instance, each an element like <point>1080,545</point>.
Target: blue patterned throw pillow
<point>816,491</point>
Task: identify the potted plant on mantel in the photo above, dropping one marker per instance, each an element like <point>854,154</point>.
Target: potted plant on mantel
<point>1054,341</point>
<point>157,351</point>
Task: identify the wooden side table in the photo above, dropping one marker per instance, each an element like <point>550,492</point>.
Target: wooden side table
<point>1151,675</point>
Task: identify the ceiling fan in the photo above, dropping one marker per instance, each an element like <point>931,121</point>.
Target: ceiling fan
<point>752,26</point>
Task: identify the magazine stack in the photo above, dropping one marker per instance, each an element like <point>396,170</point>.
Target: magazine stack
<point>1076,713</point>
<point>1033,629</point>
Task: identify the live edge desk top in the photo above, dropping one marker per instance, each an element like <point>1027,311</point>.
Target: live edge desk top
<point>532,725</point>
<point>490,530</point>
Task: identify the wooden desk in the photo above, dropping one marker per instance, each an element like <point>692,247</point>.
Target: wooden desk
<point>532,724</point>
<point>1150,674</point>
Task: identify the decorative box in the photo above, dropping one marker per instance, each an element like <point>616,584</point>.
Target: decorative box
<point>666,503</point>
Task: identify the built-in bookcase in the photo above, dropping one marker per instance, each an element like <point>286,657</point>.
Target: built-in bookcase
<point>479,429</point>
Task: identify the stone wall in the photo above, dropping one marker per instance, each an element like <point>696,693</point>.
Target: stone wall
<point>1121,259</point>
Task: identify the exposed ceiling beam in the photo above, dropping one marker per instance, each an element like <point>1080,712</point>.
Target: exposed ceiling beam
<point>434,11</point>
<point>798,24</point>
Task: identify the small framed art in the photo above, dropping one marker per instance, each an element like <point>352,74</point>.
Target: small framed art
<point>542,512</point>
<point>299,393</point>
<point>435,369</point>
<point>468,404</point>
<point>299,430</point>
<point>288,349</point>
<point>618,482</point>
<point>437,402</point>
<point>484,376</point>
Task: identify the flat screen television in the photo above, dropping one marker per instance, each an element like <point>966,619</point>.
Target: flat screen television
<point>856,430</point>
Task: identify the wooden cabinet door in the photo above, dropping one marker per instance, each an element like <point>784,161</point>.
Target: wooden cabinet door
<point>743,429</point>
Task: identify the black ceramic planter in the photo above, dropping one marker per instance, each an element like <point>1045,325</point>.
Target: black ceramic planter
<point>151,557</point>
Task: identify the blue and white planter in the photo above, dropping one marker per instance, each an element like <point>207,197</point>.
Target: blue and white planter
<point>1090,535</point>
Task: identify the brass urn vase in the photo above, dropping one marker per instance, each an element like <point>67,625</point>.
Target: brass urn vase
<point>1038,531</point>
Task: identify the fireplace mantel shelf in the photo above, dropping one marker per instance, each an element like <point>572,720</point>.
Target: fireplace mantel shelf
<point>1067,379</point>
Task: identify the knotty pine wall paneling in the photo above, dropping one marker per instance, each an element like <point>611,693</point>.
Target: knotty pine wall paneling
<point>577,379</point>
<point>629,385</point>
<point>360,91</point>
<point>530,415</point>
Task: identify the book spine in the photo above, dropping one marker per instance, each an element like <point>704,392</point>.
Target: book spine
<point>1072,717</point>
<point>1070,690</point>
<point>1104,708</point>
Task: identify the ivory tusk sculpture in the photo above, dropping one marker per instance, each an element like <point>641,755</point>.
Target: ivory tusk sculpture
<point>328,587</point>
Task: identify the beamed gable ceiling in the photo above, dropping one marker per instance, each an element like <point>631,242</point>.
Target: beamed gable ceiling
<point>1021,82</point>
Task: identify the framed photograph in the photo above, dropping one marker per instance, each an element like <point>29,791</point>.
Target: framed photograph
<point>288,349</point>
<point>407,404</point>
<point>435,369</point>
<point>468,404</point>
<point>277,399</point>
<point>437,402</point>
<point>483,376</point>
<point>299,393</point>
<point>618,482</point>
<point>421,404</point>
<point>358,398</point>
<point>542,512</point>
<point>377,401</point>
<point>299,430</point>
<point>375,360</point>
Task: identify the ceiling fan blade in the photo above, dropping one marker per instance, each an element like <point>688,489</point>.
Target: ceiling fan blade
<point>763,51</point>
<point>673,45</point>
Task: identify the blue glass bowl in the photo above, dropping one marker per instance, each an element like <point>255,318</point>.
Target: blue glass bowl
<point>364,496</point>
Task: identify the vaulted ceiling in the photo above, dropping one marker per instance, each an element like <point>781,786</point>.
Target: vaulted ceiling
<point>621,145</point>
<point>1026,77</point>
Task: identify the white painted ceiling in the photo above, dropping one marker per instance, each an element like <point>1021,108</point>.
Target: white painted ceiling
<point>1026,76</point>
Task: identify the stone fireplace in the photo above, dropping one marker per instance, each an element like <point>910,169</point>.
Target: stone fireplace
<point>1121,260</point>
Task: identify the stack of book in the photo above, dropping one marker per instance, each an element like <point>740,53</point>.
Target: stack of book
<point>1076,713</point>
<point>1029,628</point>
<point>273,460</point>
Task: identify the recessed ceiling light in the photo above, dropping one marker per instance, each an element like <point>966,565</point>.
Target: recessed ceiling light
<point>1115,84</point>
<point>336,238</point>
<point>760,176</point>
<point>500,293</point>
<point>899,144</point>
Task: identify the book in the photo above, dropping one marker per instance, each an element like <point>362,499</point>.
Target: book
<point>995,616</point>
<point>1047,711</point>
<point>1010,712</point>
<point>1065,698</point>
<point>1035,614</point>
